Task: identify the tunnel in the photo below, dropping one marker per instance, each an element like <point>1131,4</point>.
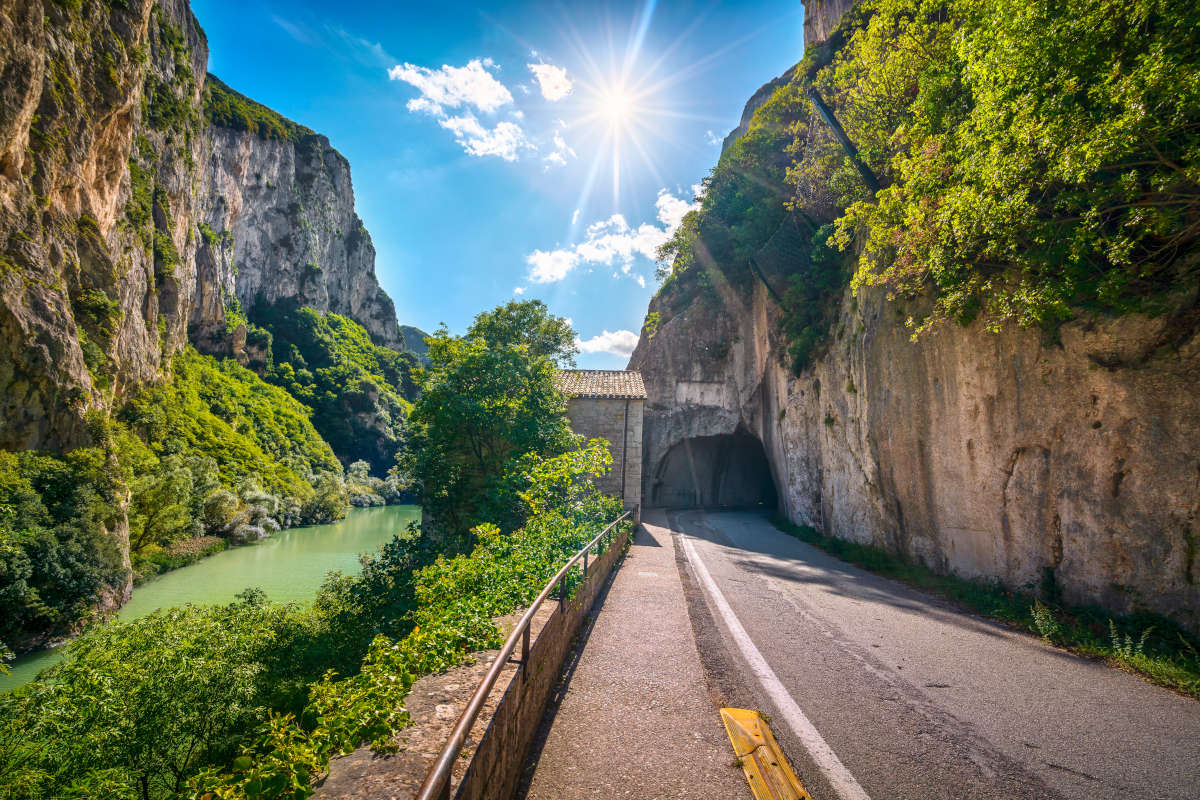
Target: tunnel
<point>726,471</point>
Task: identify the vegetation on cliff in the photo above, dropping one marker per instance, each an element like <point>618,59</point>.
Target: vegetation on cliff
<point>228,108</point>
<point>1014,187</point>
<point>360,394</point>
<point>214,451</point>
<point>252,699</point>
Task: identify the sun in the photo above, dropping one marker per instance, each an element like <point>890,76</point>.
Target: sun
<point>623,110</point>
<point>615,105</point>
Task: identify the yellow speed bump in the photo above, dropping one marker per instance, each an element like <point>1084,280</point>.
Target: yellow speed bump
<point>769,774</point>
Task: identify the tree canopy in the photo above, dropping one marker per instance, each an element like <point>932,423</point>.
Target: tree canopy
<point>487,400</point>
<point>529,323</point>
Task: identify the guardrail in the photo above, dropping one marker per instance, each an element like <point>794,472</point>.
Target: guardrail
<point>437,781</point>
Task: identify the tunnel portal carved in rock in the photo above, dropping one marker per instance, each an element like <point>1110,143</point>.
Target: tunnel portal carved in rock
<point>725,471</point>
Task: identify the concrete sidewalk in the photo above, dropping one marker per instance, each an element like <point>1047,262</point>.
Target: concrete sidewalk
<point>634,718</point>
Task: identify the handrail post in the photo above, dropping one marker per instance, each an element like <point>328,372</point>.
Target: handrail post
<point>525,654</point>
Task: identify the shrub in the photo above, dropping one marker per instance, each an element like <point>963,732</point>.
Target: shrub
<point>56,552</point>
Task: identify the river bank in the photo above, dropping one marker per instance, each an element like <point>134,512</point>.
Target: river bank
<point>288,567</point>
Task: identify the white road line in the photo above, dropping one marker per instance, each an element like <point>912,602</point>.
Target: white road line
<point>840,779</point>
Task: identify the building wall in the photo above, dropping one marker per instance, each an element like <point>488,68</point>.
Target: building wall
<point>605,417</point>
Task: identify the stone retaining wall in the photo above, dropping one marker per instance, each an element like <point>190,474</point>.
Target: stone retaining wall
<point>496,766</point>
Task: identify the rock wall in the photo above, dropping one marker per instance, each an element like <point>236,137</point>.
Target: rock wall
<point>128,222</point>
<point>821,17</point>
<point>86,302</point>
<point>287,230</point>
<point>985,455</point>
<point>1070,467</point>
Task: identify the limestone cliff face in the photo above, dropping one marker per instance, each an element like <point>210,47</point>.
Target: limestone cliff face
<point>128,222</point>
<point>987,455</point>
<point>287,230</point>
<point>99,138</point>
<point>821,17</point>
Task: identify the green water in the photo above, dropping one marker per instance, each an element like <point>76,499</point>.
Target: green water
<point>289,566</point>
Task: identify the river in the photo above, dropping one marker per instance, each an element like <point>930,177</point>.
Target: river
<point>289,566</point>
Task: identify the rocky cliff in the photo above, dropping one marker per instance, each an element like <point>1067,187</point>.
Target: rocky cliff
<point>131,216</point>
<point>281,226</point>
<point>1069,467</point>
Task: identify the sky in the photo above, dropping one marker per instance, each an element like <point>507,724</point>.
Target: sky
<point>513,150</point>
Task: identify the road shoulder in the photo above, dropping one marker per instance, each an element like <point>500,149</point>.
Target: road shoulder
<point>634,716</point>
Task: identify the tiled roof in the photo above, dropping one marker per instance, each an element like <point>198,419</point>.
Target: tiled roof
<point>600,383</point>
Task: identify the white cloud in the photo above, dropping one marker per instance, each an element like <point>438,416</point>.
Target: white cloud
<point>548,267</point>
<point>671,209</point>
<point>640,281</point>
<point>612,242</point>
<point>560,145</point>
<point>518,290</point>
<point>712,137</point>
<point>558,156</point>
<point>453,87</point>
<point>619,343</point>
<point>552,80</point>
<point>505,140</point>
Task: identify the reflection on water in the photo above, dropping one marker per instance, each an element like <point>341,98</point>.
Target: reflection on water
<point>289,566</point>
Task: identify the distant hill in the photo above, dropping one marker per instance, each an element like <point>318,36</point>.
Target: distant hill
<point>414,342</point>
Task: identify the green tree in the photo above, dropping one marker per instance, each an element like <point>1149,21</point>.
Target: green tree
<point>487,400</point>
<point>139,706</point>
<point>161,507</point>
<point>56,553</point>
<point>529,323</point>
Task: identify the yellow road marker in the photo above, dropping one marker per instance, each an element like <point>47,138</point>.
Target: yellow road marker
<point>766,768</point>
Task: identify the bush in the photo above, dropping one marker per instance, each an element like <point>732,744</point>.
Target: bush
<point>57,555</point>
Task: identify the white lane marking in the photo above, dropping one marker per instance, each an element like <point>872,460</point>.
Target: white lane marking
<point>840,779</point>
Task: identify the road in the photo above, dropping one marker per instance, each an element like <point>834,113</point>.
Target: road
<point>877,690</point>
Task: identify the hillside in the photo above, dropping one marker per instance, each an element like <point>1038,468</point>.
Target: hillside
<point>987,366</point>
<point>166,244</point>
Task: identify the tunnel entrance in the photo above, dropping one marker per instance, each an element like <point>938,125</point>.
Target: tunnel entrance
<point>727,471</point>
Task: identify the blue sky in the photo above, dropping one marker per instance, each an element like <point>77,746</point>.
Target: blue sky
<point>536,150</point>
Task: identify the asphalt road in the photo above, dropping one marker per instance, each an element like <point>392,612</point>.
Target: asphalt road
<point>877,690</point>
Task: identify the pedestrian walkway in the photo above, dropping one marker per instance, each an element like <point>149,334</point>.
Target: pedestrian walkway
<point>635,718</point>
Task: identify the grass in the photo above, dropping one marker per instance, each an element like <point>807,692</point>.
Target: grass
<point>1146,644</point>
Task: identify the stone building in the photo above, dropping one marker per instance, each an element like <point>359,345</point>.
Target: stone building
<point>607,403</point>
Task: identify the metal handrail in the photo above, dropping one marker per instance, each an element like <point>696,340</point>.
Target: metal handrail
<point>437,781</point>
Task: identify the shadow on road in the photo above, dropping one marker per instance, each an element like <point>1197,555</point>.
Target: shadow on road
<point>803,564</point>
